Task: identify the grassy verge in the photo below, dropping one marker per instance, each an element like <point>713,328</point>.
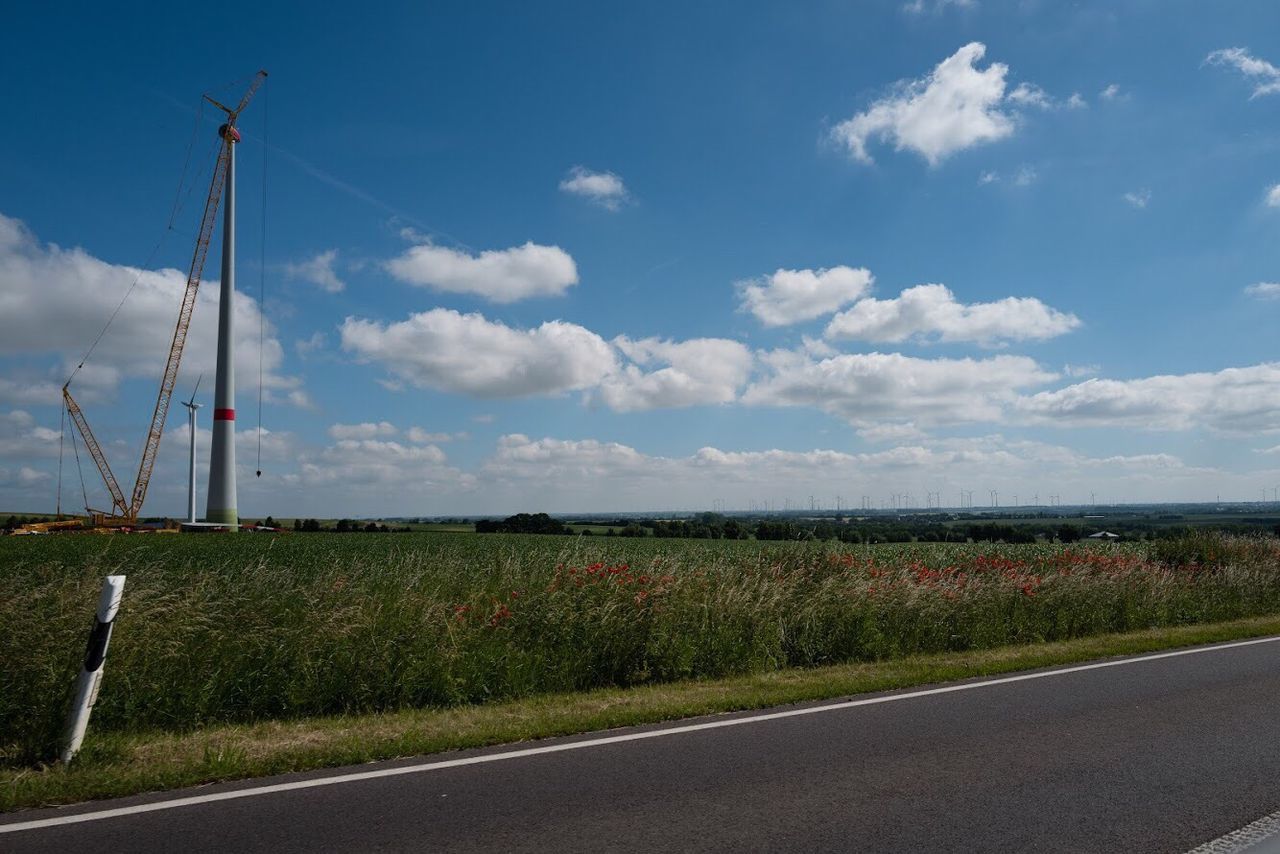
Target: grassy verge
<point>116,764</point>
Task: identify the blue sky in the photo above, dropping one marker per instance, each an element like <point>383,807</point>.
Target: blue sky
<point>662,255</point>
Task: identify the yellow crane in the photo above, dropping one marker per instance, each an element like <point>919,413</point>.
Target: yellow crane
<point>125,511</point>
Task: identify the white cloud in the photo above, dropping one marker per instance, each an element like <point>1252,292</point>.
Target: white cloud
<point>497,275</point>
<point>792,296</point>
<point>1138,199</point>
<point>1265,76</point>
<point>988,177</point>
<point>566,461</point>
<point>55,301</point>
<point>1025,176</point>
<point>1030,95</point>
<point>1080,370</point>
<point>1273,196</point>
<point>422,437</point>
<point>23,389</point>
<point>1274,449</point>
<point>318,271</point>
<point>1234,400</point>
<point>1077,102</point>
<point>307,346</point>
<point>870,390</point>
<point>364,465</point>
<point>367,430</point>
<point>469,354</point>
<point>932,312</point>
<point>956,106</point>
<point>22,439</point>
<point>591,472</point>
<point>1264,290</point>
<point>601,188</point>
<point>1110,93</point>
<point>919,7</point>
<point>697,372</point>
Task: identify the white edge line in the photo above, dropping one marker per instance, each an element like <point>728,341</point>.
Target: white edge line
<point>357,776</point>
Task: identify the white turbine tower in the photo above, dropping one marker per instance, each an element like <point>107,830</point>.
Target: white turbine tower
<point>192,406</point>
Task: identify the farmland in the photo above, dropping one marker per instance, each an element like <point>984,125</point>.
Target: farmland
<point>253,628</point>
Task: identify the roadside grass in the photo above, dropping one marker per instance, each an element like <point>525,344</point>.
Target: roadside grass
<point>116,764</point>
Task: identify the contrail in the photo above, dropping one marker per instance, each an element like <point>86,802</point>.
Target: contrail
<point>325,177</point>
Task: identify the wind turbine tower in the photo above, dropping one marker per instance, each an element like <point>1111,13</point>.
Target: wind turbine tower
<point>222,459</point>
<point>192,406</point>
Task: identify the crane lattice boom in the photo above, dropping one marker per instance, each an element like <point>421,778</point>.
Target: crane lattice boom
<point>170,377</point>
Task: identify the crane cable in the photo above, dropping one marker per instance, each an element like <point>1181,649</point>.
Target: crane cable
<point>178,203</point>
<point>262,264</point>
<point>83,489</point>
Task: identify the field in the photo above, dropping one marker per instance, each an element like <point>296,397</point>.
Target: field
<point>255,628</point>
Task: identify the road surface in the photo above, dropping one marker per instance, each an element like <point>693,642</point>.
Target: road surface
<point>1158,753</point>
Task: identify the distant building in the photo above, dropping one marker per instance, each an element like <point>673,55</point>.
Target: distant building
<point>1103,535</point>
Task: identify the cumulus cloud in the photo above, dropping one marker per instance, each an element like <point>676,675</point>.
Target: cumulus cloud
<point>1077,102</point>
<point>55,301</point>
<point>793,296</point>
<point>590,470</point>
<point>956,106</point>
<point>920,7</point>
<point>423,437</point>
<point>367,430</point>
<point>1264,290</point>
<point>566,461</point>
<point>468,354</point>
<point>870,390</point>
<point>22,439</point>
<point>600,188</point>
<point>496,275</point>
<point>1234,400</point>
<point>1273,196</point>
<point>1264,76</point>
<point>932,312</point>
<point>1030,95</point>
<point>1110,93</point>
<point>668,374</point>
<point>318,271</point>
<point>363,465</point>
<point>1138,198</point>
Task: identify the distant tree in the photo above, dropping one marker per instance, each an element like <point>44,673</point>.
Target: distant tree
<point>344,526</point>
<point>311,526</point>
<point>371,528</point>
<point>522,523</point>
<point>297,524</point>
<point>270,523</point>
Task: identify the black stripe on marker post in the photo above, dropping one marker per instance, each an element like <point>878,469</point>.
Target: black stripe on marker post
<point>99,637</point>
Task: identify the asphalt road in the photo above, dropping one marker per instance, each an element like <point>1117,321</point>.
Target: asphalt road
<point>1155,755</point>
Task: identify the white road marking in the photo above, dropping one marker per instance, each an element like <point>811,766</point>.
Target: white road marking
<point>1251,837</point>
<point>357,776</point>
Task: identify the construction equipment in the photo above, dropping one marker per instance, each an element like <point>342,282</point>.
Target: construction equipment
<point>125,511</point>
<point>47,527</point>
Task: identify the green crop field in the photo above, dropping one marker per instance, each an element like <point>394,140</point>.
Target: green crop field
<point>217,629</point>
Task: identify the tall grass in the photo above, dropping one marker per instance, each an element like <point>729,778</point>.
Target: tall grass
<point>226,629</point>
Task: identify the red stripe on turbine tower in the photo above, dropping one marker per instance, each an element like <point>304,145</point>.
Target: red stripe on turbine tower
<point>224,415</point>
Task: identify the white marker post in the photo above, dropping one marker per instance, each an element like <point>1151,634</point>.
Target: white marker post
<point>91,672</point>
